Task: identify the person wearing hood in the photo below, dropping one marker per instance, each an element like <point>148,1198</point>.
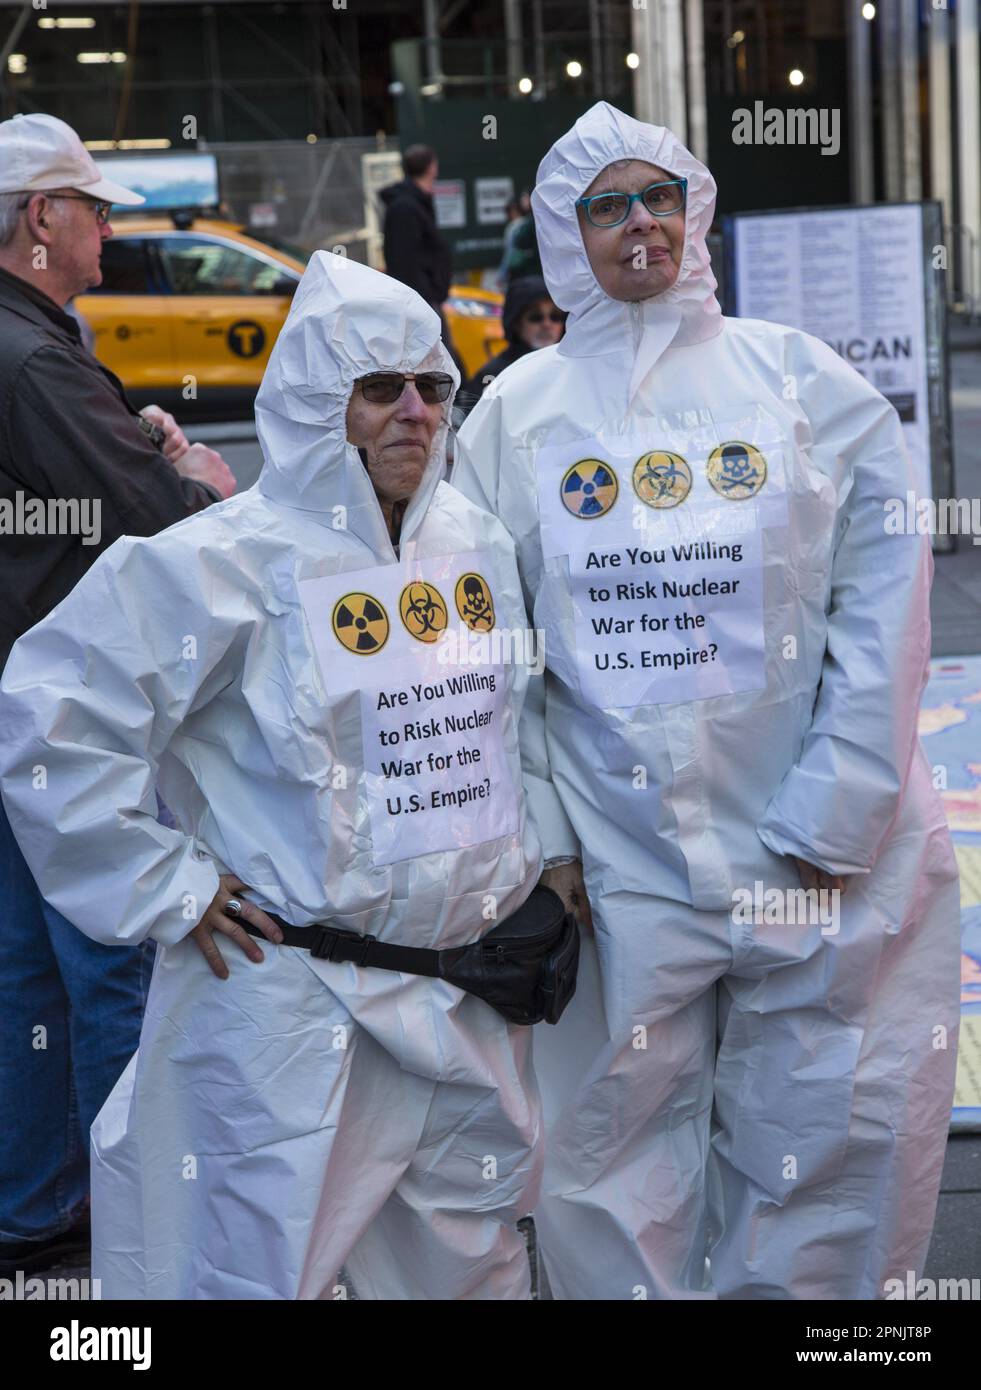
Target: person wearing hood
<point>276,667</point>
<point>749,1096</point>
<point>530,321</point>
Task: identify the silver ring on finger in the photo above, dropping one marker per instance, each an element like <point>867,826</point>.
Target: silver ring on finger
<point>232,908</point>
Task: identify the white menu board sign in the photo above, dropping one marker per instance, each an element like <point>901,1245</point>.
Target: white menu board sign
<point>854,277</point>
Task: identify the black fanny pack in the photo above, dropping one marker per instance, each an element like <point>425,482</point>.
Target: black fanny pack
<point>525,967</point>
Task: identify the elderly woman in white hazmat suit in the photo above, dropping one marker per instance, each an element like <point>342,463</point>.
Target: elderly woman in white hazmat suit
<point>735,654</point>
<point>272,666</point>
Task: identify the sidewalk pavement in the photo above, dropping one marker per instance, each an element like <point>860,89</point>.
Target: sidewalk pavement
<point>955,1252</point>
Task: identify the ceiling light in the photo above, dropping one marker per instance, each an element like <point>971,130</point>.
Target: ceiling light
<point>75,23</point>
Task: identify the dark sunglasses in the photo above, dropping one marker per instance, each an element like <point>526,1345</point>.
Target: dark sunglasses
<point>385,387</point>
<point>555,316</point>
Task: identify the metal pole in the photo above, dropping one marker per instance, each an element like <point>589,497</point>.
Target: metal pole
<point>969,134</point>
<point>674,116</point>
<point>909,88</point>
<point>659,80</point>
<point>434,58</point>
<point>643,32</point>
<point>613,60</point>
<point>860,133</point>
<point>941,169</point>
<point>512,42</point>
<point>317,57</point>
<point>728,63</point>
<point>891,109</point>
<point>596,47</point>
<point>538,37</point>
<point>697,109</point>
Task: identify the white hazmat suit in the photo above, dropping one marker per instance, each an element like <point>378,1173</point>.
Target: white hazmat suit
<point>266,664</point>
<point>735,652</point>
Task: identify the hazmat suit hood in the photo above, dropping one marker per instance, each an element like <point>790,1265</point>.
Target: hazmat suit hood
<point>345,322</point>
<point>686,313</point>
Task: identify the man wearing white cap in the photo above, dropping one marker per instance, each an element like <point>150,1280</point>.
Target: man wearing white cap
<point>76,472</point>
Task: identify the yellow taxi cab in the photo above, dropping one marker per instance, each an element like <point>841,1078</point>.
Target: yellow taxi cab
<point>474,318</point>
<point>190,307</point>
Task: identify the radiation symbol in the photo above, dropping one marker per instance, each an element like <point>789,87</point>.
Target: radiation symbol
<point>589,489</point>
<point>661,479</point>
<point>736,470</point>
<point>423,611</point>
<point>360,623</point>
<point>474,603</point>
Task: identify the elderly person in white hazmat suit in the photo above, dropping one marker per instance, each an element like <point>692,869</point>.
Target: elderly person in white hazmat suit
<point>276,667</point>
<point>752,1100</point>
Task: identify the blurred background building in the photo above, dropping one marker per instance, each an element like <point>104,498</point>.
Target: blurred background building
<point>292,96</point>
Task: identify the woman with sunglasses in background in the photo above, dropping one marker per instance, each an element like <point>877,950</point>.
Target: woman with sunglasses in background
<point>346,793</point>
<point>531,321</point>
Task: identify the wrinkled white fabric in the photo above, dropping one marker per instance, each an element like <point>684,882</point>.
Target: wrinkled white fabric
<point>268,1120</point>
<point>802,1149</point>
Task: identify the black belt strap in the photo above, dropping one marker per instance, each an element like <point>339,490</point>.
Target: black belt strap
<point>336,944</point>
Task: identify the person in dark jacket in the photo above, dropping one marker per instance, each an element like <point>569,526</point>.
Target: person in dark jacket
<point>415,250</point>
<point>77,471</point>
<point>524,257</point>
<point>531,320</point>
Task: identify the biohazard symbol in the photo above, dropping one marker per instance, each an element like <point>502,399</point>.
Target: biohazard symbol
<point>589,489</point>
<point>474,603</point>
<point>661,479</point>
<point>423,611</point>
<point>736,470</point>
<point>360,623</point>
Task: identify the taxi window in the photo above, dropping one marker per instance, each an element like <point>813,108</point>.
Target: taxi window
<point>124,267</point>
<point>196,265</point>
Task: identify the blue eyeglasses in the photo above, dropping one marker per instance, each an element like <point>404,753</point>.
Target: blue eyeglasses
<point>660,200</point>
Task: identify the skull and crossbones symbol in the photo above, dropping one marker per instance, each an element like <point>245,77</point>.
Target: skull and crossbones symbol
<point>476,609</point>
<point>738,470</point>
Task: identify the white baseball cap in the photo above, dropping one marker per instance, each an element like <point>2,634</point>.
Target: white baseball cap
<point>39,152</point>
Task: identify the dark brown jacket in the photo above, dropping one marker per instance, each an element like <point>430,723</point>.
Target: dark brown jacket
<point>67,431</point>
